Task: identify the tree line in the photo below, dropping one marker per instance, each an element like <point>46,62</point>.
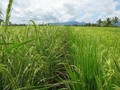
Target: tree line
<point>108,22</point>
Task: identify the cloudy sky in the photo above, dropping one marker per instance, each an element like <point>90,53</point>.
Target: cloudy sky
<point>61,10</point>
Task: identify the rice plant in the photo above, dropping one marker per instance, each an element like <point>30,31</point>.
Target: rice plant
<point>93,58</point>
<point>8,13</point>
<point>36,57</point>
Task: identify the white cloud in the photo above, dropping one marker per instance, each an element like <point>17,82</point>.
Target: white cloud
<point>61,10</point>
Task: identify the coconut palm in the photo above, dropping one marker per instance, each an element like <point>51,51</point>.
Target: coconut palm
<point>1,22</point>
<point>108,22</point>
<point>0,16</point>
<point>99,22</point>
<point>0,12</point>
<point>115,20</point>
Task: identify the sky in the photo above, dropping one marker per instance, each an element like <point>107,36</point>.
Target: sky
<point>50,11</point>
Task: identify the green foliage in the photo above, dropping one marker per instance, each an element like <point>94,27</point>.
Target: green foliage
<point>115,20</point>
<point>59,58</point>
<point>108,22</point>
<point>0,13</point>
<point>33,56</point>
<point>99,22</point>
<point>51,57</point>
<point>92,52</point>
<point>0,16</point>
<point>1,21</point>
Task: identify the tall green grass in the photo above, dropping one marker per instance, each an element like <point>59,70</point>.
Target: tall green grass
<point>94,59</point>
<point>33,62</point>
<point>8,14</point>
<point>36,57</point>
<point>60,58</point>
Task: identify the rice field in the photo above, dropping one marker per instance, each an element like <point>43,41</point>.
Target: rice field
<point>59,58</point>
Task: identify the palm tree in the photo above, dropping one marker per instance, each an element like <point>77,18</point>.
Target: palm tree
<point>0,16</point>
<point>0,12</point>
<point>1,21</point>
<point>115,20</point>
<point>108,22</point>
<point>99,22</point>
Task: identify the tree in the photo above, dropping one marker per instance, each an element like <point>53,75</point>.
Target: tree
<point>88,24</point>
<point>0,16</point>
<point>99,22</point>
<point>108,22</point>
<point>1,21</point>
<point>115,20</point>
<point>0,11</point>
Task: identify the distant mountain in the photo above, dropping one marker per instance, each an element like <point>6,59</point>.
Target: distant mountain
<point>117,24</point>
<point>71,23</point>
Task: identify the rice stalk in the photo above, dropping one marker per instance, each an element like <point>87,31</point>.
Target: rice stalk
<point>8,14</point>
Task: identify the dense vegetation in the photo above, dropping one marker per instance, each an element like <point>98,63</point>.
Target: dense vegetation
<point>59,57</point>
<point>108,22</point>
<point>72,58</point>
